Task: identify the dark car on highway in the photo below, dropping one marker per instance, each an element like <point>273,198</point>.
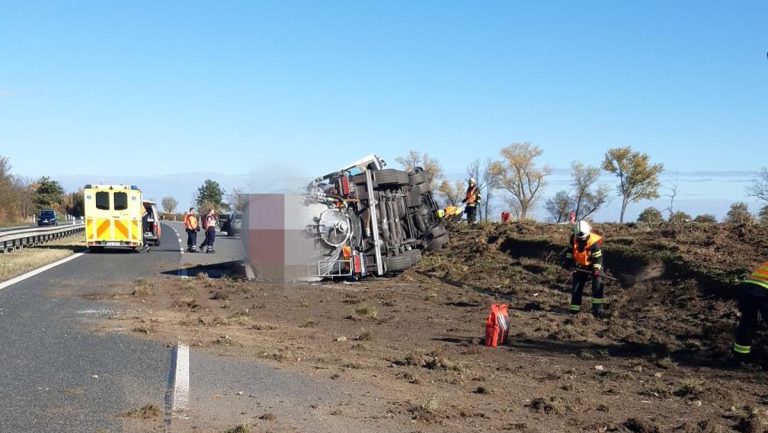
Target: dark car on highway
<point>47,217</point>
<point>232,223</point>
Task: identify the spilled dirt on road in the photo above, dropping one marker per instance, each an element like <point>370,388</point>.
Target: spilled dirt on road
<point>657,363</point>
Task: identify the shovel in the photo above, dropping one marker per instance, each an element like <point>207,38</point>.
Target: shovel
<point>628,280</point>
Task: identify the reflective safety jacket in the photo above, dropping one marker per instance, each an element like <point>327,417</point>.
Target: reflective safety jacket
<point>759,276</point>
<point>190,222</point>
<point>473,196</point>
<point>591,256</point>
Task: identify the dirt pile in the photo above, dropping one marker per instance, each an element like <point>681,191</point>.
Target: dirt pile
<point>408,350</point>
<point>674,295</point>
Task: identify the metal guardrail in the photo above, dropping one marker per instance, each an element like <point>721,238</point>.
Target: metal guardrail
<point>14,239</point>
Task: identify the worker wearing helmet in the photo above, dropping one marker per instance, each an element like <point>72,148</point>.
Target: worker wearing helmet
<point>754,298</point>
<point>588,257</point>
<point>472,199</point>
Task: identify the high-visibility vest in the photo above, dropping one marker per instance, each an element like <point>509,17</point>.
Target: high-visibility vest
<point>471,198</point>
<point>584,258</point>
<point>759,276</point>
<point>190,222</point>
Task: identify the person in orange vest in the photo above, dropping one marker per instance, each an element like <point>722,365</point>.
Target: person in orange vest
<point>192,226</point>
<point>587,255</point>
<point>753,299</point>
<point>472,199</point>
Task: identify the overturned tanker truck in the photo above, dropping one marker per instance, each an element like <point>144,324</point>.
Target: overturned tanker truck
<point>371,220</point>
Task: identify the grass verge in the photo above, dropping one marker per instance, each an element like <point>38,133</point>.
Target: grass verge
<point>24,260</point>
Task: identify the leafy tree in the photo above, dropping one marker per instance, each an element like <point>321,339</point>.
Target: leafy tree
<point>169,204</point>
<point>48,193</point>
<point>453,193</point>
<point>559,206</point>
<point>210,195</point>
<point>74,203</point>
<point>416,159</point>
<point>706,218</point>
<point>763,215</point>
<point>488,176</point>
<point>650,215</point>
<point>520,176</point>
<point>739,214</point>
<point>759,187</point>
<point>638,178</point>
<point>8,192</point>
<point>679,217</point>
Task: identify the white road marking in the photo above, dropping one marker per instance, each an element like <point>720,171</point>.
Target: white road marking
<point>180,401</point>
<point>39,270</point>
<point>102,312</point>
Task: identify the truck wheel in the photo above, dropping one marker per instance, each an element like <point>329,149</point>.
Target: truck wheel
<point>438,231</point>
<point>422,188</point>
<point>438,242</point>
<point>403,261</point>
<point>417,177</point>
<point>390,176</point>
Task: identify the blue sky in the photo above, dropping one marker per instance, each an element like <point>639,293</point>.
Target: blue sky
<point>94,88</point>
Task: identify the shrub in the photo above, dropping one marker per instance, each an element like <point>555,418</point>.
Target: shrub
<point>739,214</point>
<point>679,217</point>
<point>763,215</point>
<point>706,218</point>
<point>650,215</point>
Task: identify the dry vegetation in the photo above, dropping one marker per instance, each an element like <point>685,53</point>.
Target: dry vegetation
<point>26,259</point>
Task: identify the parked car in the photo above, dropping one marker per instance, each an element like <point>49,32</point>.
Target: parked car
<point>47,217</point>
<point>151,224</point>
<point>232,224</point>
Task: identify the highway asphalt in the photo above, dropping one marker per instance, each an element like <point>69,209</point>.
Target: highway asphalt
<point>59,375</point>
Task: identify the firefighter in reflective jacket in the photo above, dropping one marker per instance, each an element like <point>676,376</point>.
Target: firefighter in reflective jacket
<point>588,257</point>
<point>471,199</point>
<point>754,299</point>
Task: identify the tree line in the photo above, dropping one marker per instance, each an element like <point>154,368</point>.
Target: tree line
<point>518,173</point>
<point>21,197</point>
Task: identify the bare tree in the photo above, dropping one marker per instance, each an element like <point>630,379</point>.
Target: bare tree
<point>759,187</point>
<point>559,206</point>
<point>638,178</point>
<point>520,176</point>
<point>586,200</point>
<point>430,165</point>
<point>238,200</point>
<point>673,191</point>
<point>169,204</point>
<point>452,192</point>
<point>594,201</point>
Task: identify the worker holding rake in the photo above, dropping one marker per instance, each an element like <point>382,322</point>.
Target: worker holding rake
<point>588,257</point>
